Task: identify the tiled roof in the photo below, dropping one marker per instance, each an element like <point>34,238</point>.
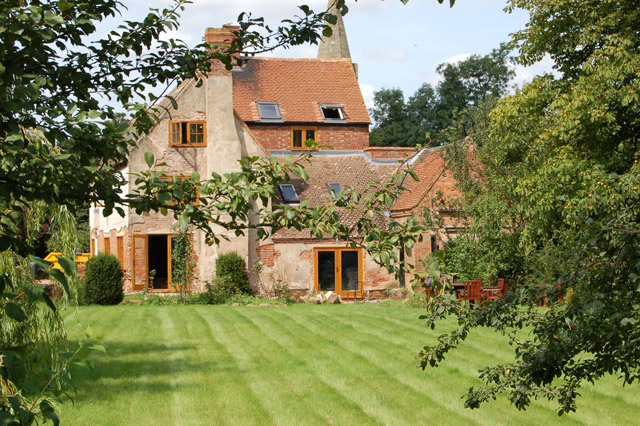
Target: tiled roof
<point>298,85</point>
<point>429,167</point>
<point>351,171</point>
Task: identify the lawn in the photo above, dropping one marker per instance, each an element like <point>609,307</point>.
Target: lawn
<point>302,364</point>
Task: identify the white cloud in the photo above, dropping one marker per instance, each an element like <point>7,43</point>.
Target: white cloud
<point>177,35</point>
<point>367,93</point>
<point>524,75</point>
<point>456,58</point>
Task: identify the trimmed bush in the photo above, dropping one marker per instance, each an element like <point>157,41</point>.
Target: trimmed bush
<point>232,265</point>
<point>220,290</point>
<point>103,281</point>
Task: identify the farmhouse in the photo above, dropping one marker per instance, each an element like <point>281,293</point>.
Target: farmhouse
<point>268,106</point>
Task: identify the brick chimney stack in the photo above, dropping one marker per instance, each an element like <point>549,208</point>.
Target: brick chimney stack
<point>221,36</point>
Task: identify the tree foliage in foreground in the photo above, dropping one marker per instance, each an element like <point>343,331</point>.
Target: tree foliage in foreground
<point>430,110</point>
<point>559,171</point>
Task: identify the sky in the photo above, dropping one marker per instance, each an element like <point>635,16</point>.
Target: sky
<point>394,45</point>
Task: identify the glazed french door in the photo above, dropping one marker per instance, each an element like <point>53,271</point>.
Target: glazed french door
<point>338,270</point>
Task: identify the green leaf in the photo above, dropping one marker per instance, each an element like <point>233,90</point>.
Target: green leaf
<point>149,159</point>
<point>99,348</point>
<point>49,302</point>
<point>42,264</point>
<point>33,292</point>
<point>52,19</point>
<point>61,278</point>
<point>68,265</point>
<point>164,198</point>
<point>174,104</point>
<point>14,312</point>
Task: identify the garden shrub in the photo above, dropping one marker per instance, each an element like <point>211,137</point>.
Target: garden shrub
<point>103,281</point>
<point>232,265</point>
<point>221,290</point>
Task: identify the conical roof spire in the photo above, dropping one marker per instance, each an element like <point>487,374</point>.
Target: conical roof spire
<point>337,45</point>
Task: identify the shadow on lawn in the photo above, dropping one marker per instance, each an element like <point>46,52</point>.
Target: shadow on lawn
<point>131,368</point>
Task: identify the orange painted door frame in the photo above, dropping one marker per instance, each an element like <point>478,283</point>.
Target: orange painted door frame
<point>339,269</point>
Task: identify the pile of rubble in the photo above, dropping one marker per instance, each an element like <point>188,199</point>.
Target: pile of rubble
<point>329,297</point>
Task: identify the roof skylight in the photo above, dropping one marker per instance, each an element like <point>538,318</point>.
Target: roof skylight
<point>269,110</point>
<point>289,194</point>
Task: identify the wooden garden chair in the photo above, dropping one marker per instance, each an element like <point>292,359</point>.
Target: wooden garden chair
<point>472,291</point>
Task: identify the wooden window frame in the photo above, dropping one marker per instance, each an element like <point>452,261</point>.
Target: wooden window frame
<point>303,129</point>
<point>120,250</point>
<point>359,294</point>
<point>189,123</point>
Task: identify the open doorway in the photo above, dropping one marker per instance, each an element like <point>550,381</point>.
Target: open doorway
<point>159,260</point>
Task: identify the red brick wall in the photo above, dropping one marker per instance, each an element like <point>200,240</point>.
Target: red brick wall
<point>267,254</point>
<point>341,137</point>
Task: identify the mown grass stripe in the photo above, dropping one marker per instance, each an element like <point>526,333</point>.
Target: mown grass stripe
<point>436,385</point>
<point>323,399</point>
<point>242,403</point>
<point>376,394</point>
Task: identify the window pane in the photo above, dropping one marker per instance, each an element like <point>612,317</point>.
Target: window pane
<point>335,189</point>
<point>326,271</point>
<point>175,133</point>
<point>288,193</point>
<point>350,271</point>
<point>196,133</point>
<point>297,139</point>
<point>311,134</point>
<point>269,110</point>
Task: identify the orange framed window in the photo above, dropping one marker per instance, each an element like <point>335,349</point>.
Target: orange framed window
<point>120,250</point>
<point>188,133</point>
<point>107,245</point>
<point>301,134</point>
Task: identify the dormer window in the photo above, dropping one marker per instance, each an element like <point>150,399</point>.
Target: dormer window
<point>334,189</point>
<point>332,111</point>
<point>269,111</point>
<point>289,194</point>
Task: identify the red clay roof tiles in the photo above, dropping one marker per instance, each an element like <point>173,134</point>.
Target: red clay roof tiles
<point>298,85</point>
<point>351,171</point>
<point>429,168</point>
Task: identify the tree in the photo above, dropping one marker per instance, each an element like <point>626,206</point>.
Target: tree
<point>61,144</point>
<point>430,110</point>
<point>468,83</point>
<point>559,171</point>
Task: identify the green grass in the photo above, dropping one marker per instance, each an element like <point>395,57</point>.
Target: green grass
<point>303,364</point>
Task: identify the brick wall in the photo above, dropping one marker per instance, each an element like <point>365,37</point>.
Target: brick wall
<point>340,137</point>
<point>267,255</point>
<point>389,152</point>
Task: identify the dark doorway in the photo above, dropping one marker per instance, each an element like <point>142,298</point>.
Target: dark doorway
<point>159,261</point>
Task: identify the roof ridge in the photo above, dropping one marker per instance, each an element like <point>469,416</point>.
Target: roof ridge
<point>268,58</point>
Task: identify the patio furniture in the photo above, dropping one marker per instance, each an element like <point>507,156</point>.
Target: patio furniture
<point>494,293</point>
<point>472,291</point>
